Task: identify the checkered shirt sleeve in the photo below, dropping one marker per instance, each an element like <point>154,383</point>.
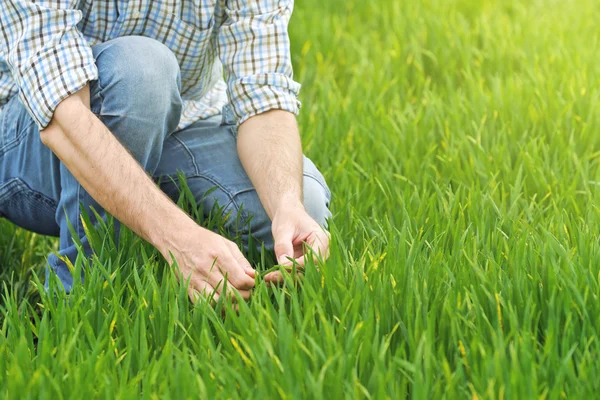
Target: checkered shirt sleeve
<point>254,49</point>
<point>47,56</point>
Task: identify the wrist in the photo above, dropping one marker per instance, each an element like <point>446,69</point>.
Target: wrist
<point>288,205</point>
<point>168,231</point>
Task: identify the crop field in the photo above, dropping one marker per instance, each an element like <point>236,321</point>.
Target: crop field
<point>461,142</point>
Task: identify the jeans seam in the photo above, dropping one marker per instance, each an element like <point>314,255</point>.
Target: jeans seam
<point>243,191</point>
<point>187,149</point>
<point>17,185</point>
<point>240,210</point>
<point>217,184</point>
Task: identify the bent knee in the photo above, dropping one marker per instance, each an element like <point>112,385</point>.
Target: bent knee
<point>316,200</point>
<point>138,61</point>
<point>139,74</point>
<point>317,196</point>
<point>137,94</point>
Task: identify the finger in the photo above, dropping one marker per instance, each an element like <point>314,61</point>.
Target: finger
<point>316,244</point>
<point>298,262</point>
<point>277,277</point>
<point>228,267</point>
<point>245,294</point>
<point>238,279</point>
<point>202,290</point>
<point>216,280</point>
<point>233,292</point>
<point>227,288</point>
<point>319,244</point>
<point>284,248</point>
<point>274,277</point>
<point>241,260</point>
<point>236,266</point>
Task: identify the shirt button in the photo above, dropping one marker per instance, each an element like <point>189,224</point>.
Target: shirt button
<point>136,14</point>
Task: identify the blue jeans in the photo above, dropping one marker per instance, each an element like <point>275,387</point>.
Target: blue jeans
<point>137,96</point>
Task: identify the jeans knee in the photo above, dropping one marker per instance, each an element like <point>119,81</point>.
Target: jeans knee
<point>141,77</point>
<point>316,200</point>
<point>317,196</point>
<point>137,94</point>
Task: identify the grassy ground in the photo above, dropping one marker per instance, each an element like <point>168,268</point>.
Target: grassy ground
<point>461,141</point>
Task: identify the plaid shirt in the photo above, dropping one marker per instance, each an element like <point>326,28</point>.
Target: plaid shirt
<point>45,51</point>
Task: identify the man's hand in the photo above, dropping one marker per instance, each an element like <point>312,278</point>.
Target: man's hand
<point>208,261</point>
<point>297,237</point>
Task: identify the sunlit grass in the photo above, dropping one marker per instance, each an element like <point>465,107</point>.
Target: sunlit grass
<point>461,143</point>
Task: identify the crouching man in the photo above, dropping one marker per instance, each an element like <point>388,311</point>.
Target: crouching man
<point>100,100</point>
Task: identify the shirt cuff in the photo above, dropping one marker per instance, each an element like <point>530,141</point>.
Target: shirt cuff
<point>253,95</point>
<point>54,74</point>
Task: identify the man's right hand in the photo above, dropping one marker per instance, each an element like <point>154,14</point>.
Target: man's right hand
<point>208,260</point>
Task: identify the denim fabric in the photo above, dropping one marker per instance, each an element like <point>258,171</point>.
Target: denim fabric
<point>137,96</point>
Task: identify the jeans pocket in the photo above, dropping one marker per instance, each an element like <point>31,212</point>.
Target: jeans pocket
<point>28,208</point>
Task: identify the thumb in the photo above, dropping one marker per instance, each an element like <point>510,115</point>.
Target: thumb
<point>283,244</point>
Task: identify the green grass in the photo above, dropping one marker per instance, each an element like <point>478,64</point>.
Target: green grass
<point>461,141</point>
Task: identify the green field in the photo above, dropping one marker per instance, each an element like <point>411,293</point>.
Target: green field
<point>461,141</point>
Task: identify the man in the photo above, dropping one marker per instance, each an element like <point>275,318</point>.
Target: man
<point>99,97</point>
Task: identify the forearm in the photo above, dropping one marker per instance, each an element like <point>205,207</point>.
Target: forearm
<point>109,173</point>
<point>270,150</point>
<point>271,153</point>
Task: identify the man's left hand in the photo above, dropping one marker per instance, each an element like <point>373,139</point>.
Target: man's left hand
<point>297,236</point>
